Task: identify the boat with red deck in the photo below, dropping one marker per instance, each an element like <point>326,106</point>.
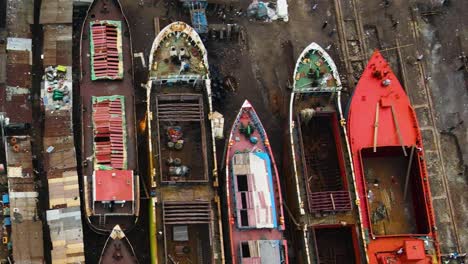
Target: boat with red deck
<point>253,193</point>
<point>391,177</point>
<point>108,147</point>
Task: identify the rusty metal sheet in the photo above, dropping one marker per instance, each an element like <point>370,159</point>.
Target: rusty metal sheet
<point>19,156</point>
<point>21,184</point>
<point>3,59</point>
<point>18,74</point>
<point>57,45</point>
<point>18,109</point>
<point>58,123</point>
<point>59,162</point>
<point>56,12</point>
<point>20,17</point>
<point>28,245</point>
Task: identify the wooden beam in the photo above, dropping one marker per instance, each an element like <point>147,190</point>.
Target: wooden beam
<point>157,27</point>
<point>398,130</point>
<point>408,170</point>
<point>376,125</point>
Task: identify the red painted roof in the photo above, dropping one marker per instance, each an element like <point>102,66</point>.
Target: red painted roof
<point>114,185</point>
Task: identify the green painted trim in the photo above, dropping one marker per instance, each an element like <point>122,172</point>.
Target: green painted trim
<point>152,230</point>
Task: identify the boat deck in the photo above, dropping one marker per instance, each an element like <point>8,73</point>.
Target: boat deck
<point>390,212</point>
<point>118,249</point>
<point>187,219</point>
<point>89,88</point>
<point>314,72</point>
<point>254,222</point>
<point>334,245</point>
<point>181,126</point>
<point>320,153</point>
<point>184,49</point>
<point>388,159</point>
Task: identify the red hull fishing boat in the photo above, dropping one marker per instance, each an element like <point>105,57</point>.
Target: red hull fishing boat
<point>255,205</point>
<point>327,223</point>
<point>108,147</point>
<point>391,175</point>
<point>118,249</point>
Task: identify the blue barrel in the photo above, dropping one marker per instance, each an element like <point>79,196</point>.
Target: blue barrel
<point>7,221</point>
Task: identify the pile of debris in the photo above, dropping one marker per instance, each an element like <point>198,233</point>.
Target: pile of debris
<point>267,11</point>
<point>58,88</point>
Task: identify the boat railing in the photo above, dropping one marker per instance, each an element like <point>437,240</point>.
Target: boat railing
<point>332,201</point>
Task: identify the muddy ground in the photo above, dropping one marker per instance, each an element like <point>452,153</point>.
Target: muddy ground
<point>262,65</point>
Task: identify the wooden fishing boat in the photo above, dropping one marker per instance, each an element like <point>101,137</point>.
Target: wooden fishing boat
<point>390,167</point>
<point>321,178</point>
<point>108,147</point>
<point>184,208</point>
<point>118,249</point>
<point>253,193</point>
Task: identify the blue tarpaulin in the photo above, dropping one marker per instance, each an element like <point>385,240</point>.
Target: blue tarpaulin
<point>199,21</point>
<point>266,158</point>
<point>7,221</point>
<point>5,199</point>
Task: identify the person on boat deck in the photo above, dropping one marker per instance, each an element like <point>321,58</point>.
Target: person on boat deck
<point>246,130</point>
<point>315,74</point>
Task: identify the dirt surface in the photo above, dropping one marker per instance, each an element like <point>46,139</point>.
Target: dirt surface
<point>261,65</point>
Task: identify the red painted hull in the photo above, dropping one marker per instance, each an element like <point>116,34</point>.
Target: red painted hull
<point>240,143</point>
<point>381,121</point>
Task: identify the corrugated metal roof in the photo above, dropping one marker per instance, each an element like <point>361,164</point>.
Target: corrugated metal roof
<point>27,242</point>
<point>19,159</point>
<point>20,16</point>
<point>57,45</point>
<point>56,12</point>
<point>26,228</point>
<point>66,235</point>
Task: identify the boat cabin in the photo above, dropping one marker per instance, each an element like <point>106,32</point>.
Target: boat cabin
<point>254,192</point>
<point>113,192</point>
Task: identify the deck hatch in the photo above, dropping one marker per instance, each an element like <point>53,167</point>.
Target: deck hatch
<point>182,141</point>
<point>185,213</point>
<point>109,132</point>
<point>323,164</point>
<point>106,50</point>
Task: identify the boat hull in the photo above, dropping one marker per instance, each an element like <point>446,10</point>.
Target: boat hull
<point>93,87</point>
<point>249,228</point>
<point>118,249</point>
<point>391,176</point>
<point>185,215</point>
<point>319,164</point>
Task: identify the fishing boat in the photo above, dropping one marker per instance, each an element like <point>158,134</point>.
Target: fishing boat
<point>319,189</point>
<point>253,194</point>
<point>391,177</point>
<point>108,147</point>
<point>118,249</point>
<point>185,223</point>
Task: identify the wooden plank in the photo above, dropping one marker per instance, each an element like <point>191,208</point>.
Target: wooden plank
<point>157,28</point>
<point>398,130</point>
<point>376,125</point>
